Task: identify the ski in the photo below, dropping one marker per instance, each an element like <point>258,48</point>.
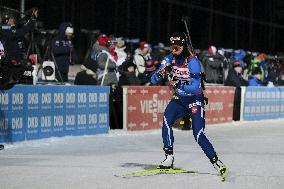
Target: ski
<point>153,172</point>
<point>1,146</point>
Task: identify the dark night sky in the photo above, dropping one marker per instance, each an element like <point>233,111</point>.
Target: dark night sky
<point>256,25</point>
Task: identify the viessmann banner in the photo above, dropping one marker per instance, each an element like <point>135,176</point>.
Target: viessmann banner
<point>145,105</point>
<point>32,112</point>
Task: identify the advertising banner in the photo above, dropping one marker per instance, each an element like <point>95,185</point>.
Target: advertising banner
<point>32,112</point>
<point>220,105</point>
<point>263,103</point>
<point>145,105</point>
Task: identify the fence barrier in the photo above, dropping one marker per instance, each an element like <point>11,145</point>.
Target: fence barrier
<point>33,112</point>
<point>144,105</point>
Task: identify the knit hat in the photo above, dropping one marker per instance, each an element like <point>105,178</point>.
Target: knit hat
<point>144,44</point>
<point>237,63</point>
<point>178,39</point>
<point>103,39</point>
<point>212,50</point>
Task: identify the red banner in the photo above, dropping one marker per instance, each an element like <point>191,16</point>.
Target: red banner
<point>146,105</point>
<point>221,104</point>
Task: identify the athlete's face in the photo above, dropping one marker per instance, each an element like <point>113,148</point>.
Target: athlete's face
<point>176,49</point>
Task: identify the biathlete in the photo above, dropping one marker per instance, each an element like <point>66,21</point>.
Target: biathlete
<point>183,71</point>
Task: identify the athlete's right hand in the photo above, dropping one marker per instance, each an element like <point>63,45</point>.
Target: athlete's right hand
<point>163,72</point>
<point>173,81</point>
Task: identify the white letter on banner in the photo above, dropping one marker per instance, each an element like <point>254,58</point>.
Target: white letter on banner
<point>32,98</point>
<point>143,106</point>
<point>93,97</point>
<point>17,98</point>
<point>46,98</point>
<point>58,121</point>
<point>45,121</point>
<point>70,97</point>
<point>4,99</point>
<point>82,119</point>
<point>70,120</point>
<point>82,98</point>
<point>155,107</point>
<point>58,98</point>
<point>103,97</point>
<point>32,122</point>
<point>103,118</point>
<point>4,123</point>
<point>17,123</point>
<point>93,118</point>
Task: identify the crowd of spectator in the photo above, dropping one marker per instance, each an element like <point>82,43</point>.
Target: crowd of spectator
<point>221,66</point>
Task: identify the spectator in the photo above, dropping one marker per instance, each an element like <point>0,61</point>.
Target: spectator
<point>235,77</point>
<point>213,66</point>
<point>274,69</point>
<point>281,78</point>
<point>141,57</point>
<point>127,73</point>
<point>255,78</point>
<point>12,36</point>
<point>64,52</point>
<point>158,54</point>
<point>259,61</point>
<point>120,50</point>
<point>88,74</point>
<point>105,59</point>
<point>139,54</point>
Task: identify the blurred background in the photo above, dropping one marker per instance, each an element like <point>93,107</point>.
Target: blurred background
<point>248,24</point>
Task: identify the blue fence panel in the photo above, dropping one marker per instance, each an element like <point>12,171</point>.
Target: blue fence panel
<point>262,103</point>
<point>281,114</point>
<point>33,112</point>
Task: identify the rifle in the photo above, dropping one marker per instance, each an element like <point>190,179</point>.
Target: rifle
<point>192,51</point>
<point>188,39</point>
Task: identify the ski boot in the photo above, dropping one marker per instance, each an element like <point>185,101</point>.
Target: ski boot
<point>168,162</point>
<point>220,167</point>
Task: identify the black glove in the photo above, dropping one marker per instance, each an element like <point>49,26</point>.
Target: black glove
<point>205,100</point>
<point>34,14</point>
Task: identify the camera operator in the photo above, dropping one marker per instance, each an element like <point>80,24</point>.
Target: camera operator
<point>63,50</point>
<point>12,36</point>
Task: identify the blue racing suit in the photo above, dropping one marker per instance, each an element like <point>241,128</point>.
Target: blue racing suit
<point>188,99</point>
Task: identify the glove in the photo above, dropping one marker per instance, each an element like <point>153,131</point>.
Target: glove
<point>173,81</point>
<point>163,72</point>
<point>205,100</point>
<point>34,14</point>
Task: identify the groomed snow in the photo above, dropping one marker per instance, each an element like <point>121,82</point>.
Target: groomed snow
<point>253,152</point>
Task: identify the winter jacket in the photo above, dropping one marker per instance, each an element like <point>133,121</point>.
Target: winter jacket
<point>139,61</point>
<point>101,55</point>
<point>126,77</point>
<point>64,52</point>
<point>12,39</point>
<point>253,81</point>
<point>213,68</point>
<point>235,79</point>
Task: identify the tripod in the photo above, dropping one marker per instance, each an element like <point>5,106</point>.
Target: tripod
<point>48,55</point>
<point>33,48</point>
